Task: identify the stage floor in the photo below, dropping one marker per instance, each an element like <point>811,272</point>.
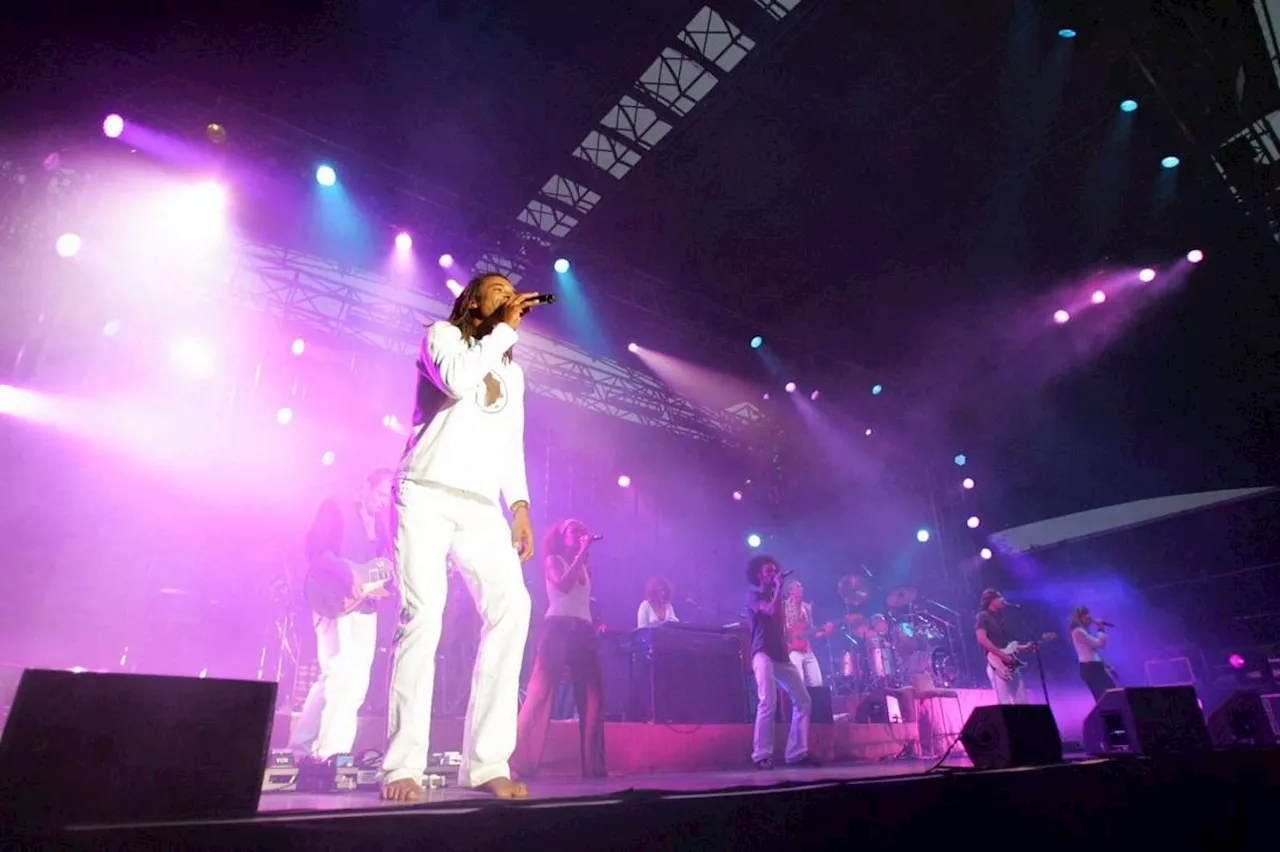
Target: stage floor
<point>549,790</point>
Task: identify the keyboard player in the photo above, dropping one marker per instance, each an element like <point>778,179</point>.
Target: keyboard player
<point>656,608</point>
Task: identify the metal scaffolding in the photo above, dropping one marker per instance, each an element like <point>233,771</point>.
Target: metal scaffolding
<point>317,293</point>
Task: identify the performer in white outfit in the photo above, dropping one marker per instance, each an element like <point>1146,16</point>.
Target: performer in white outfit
<point>344,533</point>
<point>656,608</point>
<point>798,620</point>
<point>466,450</point>
<point>1093,669</point>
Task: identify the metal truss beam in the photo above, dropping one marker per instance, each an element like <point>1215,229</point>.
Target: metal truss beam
<point>310,291</point>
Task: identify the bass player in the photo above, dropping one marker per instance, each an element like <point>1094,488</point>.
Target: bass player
<point>798,621</point>
<point>347,545</point>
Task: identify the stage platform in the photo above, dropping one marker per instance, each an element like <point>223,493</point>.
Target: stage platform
<point>1219,800</point>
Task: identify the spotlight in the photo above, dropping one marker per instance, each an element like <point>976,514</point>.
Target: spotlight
<point>967,483</point>
<point>1195,256</point>
<point>326,176</point>
<point>1061,317</point>
<point>111,329</point>
<point>1098,297</point>
<point>284,415</point>
<point>753,540</point>
<point>299,346</point>
<point>328,458</point>
<point>1170,162</point>
<point>392,422</point>
<point>814,396</point>
<point>446,260</point>
<point>631,347</point>
<point>876,390</point>
<point>561,265</point>
<point>961,460</point>
<point>868,432</point>
<point>624,481</point>
<point>113,126</point>
<point>757,342</point>
<point>216,133</point>
<point>192,356</point>
<point>737,495</point>
<point>922,535</point>
<point>790,387</point>
<point>985,553</point>
<point>766,395</point>
<point>67,245</point>
<point>1066,32</point>
<point>973,523</point>
<point>1147,275</point>
<point>454,287</point>
<point>1128,105</point>
<point>404,242</point>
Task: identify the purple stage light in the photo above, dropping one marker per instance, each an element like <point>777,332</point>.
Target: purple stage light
<point>737,495</point>
<point>1236,661</point>
<point>446,260</point>
<point>1147,275</point>
<point>192,357</point>
<point>1061,317</point>
<point>454,287</point>
<point>404,242</point>
<point>111,329</point>
<point>1195,256</point>
<point>67,245</point>
<point>631,347</point>
<point>868,432</point>
<point>790,387</point>
<point>284,416</point>
<point>299,346</point>
<point>967,484</point>
<point>328,458</point>
<point>973,523</point>
<point>113,126</point>
<point>814,396</point>
<point>624,481</point>
<point>985,553</point>
<point>1098,297</point>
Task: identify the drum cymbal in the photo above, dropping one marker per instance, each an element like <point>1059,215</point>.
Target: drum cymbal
<point>853,590</point>
<point>901,596</point>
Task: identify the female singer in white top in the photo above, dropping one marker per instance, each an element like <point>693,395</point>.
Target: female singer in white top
<point>656,608</point>
<point>1093,671</point>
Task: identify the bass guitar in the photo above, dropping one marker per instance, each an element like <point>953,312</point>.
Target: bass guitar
<point>331,595</point>
<point>1004,670</point>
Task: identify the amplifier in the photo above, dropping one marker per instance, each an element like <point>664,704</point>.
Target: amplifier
<point>686,639</point>
<point>687,688</point>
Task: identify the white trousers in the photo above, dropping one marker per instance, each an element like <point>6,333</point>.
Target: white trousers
<point>807,664</point>
<point>1011,691</point>
<point>769,676</point>
<point>433,519</point>
<point>345,647</point>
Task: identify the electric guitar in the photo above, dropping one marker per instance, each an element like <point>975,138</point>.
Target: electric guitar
<point>797,637</point>
<point>330,595</point>
<point>1004,670</point>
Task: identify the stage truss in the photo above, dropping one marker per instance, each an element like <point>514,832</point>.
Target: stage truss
<point>313,292</point>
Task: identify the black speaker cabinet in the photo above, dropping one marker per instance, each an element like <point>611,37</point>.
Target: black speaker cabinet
<point>819,697</point>
<point>1241,720</point>
<point>1146,720</point>
<point>686,688</point>
<point>1004,736</point>
<point>88,748</point>
<point>615,666</point>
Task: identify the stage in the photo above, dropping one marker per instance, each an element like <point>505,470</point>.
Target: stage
<point>1219,800</point>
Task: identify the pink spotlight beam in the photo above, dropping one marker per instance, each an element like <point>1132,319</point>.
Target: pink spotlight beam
<point>1195,256</point>
<point>624,481</point>
<point>404,242</point>
<point>1061,317</point>
<point>113,126</point>
<point>1098,297</point>
<point>1147,275</point>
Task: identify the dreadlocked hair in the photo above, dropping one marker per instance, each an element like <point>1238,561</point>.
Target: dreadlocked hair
<point>464,315</point>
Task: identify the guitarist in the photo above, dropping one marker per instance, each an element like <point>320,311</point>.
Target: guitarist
<point>994,638</point>
<point>798,617</point>
<point>344,534</point>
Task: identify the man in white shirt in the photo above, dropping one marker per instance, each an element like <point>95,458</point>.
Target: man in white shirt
<point>465,452</point>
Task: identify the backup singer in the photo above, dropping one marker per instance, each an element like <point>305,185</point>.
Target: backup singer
<point>773,668</point>
<point>466,449</point>
<point>996,641</point>
<point>656,608</point>
<point>344,534</point>
<point>1093,670</point>
<point>798,618</point>
<point>568,640</point>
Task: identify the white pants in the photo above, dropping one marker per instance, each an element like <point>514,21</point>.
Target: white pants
<point>769,676</point>
<point>807,664</point>
<point>433,519</point>
<point>1011,691</point>
<point>345,647</point>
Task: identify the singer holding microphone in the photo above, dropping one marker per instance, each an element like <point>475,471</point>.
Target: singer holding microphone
<point>568,640</point>
<point>464,455</point>
<point>773,668</point>
<point>1088,645</point>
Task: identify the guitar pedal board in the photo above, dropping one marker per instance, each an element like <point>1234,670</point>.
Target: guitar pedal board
<point>340,774</point>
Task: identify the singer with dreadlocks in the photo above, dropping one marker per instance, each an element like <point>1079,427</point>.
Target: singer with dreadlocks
<point>464,453</point>
<point>568,641</point>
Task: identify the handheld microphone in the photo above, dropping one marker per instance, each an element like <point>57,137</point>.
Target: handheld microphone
<point>595,537</point>
<point>785,574</point>
<point>545,299</point>
<point>1013,605</point>
<point>1101,623</point>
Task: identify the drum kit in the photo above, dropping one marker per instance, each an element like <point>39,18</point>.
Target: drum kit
<point>884,649</point>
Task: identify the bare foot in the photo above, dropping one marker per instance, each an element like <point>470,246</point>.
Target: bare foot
<point>404,790</point>
<point>504,788</point>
